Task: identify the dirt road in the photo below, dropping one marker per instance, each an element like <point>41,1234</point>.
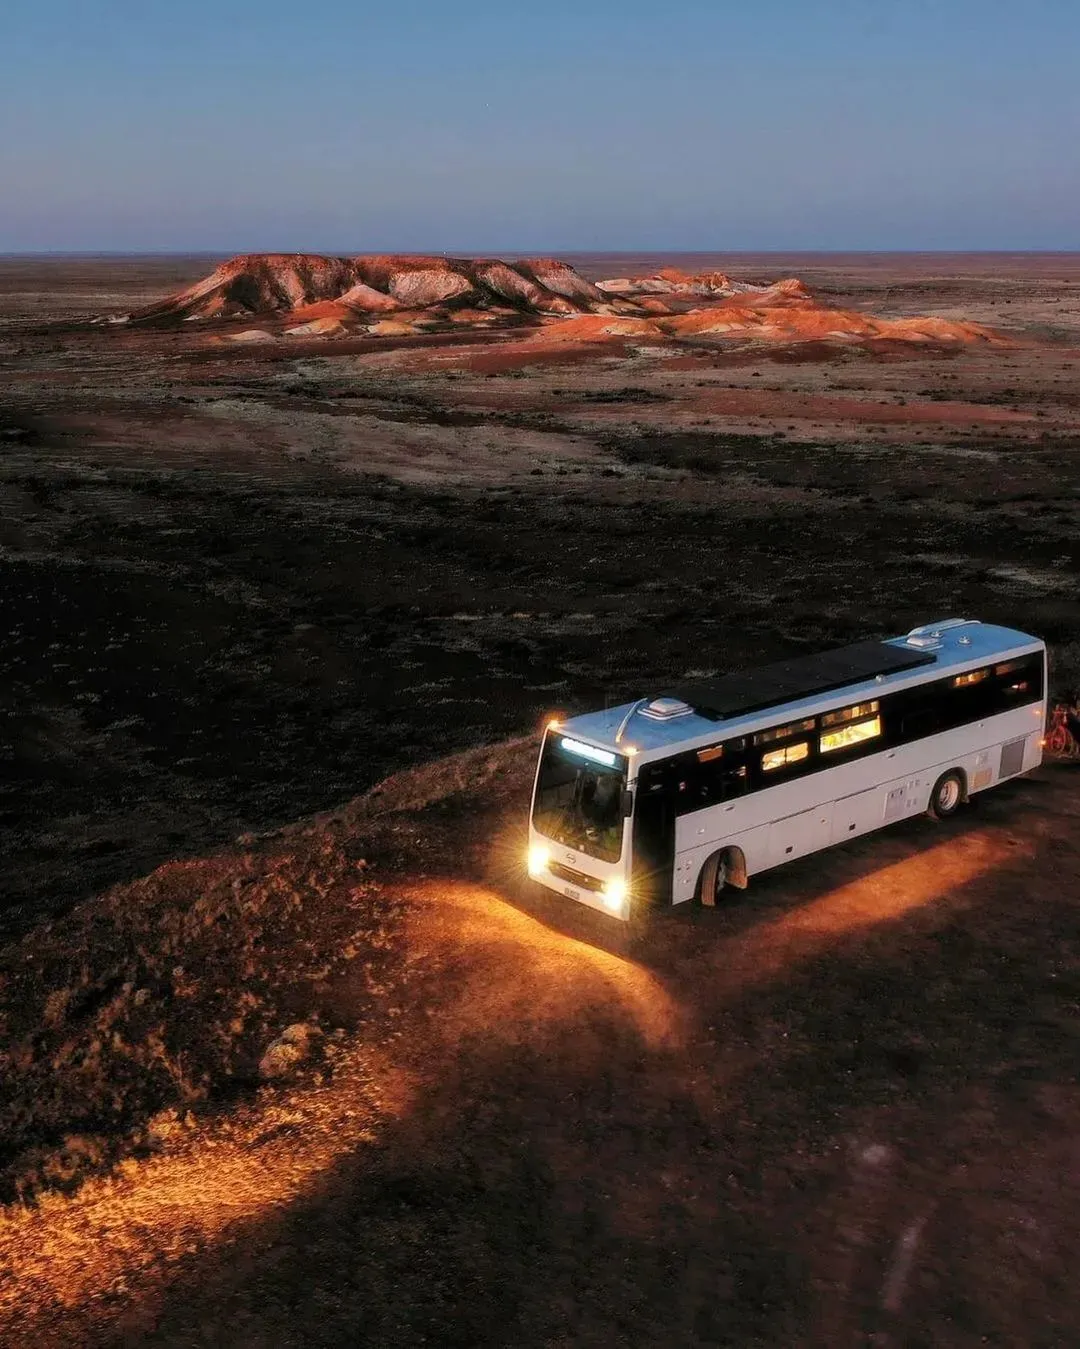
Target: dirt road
<point>842,1109</point>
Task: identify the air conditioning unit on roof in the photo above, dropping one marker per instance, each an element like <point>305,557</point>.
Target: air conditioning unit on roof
<point>929,635</point>
<point>664,709</point>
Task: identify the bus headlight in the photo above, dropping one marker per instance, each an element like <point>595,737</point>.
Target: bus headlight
<point>615,893</point>
<point>539,857</point>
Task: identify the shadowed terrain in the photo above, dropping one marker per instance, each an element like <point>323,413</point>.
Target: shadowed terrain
<point>842,1105</point>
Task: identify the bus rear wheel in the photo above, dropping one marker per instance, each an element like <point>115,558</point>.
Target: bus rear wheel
<point>713,879</point>
<point>947,795</point>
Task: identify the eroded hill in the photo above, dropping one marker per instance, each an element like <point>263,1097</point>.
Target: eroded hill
<point>301,295</point>
<point>291,283</point>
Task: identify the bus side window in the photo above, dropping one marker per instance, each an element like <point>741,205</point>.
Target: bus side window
<point>1017,682</point>
<point>685,784</point>
<point>713,783</point>
<point>702,779</point>
<point>917,721</point>
<point>962,699</point>
<point>787,756</point>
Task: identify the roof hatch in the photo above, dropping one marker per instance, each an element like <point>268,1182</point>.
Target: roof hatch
<point>666,709</point>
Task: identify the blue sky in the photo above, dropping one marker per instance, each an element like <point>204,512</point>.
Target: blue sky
<point>467,125</point>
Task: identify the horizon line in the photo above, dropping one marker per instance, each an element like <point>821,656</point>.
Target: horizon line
<point>580,252</point>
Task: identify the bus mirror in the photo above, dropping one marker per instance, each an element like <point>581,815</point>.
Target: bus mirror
<point>627,802</point>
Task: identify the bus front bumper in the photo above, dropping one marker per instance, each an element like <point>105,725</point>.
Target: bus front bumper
<point>608,895</point>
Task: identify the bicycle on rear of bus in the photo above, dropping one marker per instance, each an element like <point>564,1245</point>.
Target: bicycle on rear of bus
<point>1062,740</point>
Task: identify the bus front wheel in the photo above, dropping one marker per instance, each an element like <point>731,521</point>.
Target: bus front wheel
<point>947,795</point>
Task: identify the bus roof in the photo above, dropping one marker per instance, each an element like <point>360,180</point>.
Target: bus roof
<point>800,677</point>
<point>736,703</point>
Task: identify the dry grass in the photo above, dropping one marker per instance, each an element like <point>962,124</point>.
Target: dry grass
<point>165,994</point>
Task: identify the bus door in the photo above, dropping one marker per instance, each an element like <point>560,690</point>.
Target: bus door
<point>653,835</point>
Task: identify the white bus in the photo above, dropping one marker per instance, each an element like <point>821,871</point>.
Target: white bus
<point>675,796</point>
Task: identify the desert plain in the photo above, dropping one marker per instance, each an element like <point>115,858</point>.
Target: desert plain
<point>282,613</point>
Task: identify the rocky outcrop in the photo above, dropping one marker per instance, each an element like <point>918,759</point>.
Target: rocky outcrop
<point>560,279</point>
<point>431,286</point>
<point>300,285</point>
<point>294,1047</point>
<point>766,323</point>
<point>515,285</point>
<point>255,283</point>
<point>599,328</point>
<point>813,323</point>
<point>391,295</point>
<point>365,299</point>
<point>706,285</point>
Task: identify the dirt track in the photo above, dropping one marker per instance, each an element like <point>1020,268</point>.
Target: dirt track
<point>845,1103</point>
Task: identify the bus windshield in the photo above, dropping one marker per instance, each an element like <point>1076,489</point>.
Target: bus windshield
<point>579,797</point>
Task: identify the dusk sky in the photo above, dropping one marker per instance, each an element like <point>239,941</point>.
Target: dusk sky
<point>475,126</point>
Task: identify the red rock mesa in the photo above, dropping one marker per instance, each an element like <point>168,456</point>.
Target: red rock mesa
<point>303,294</point>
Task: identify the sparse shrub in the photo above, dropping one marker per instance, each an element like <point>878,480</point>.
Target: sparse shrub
<point>164,995</point>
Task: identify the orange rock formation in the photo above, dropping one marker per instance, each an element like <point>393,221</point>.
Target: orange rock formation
<point>295,282</point>
<point>390,294</point>
<point>768,323</point>
<point>707,285</point>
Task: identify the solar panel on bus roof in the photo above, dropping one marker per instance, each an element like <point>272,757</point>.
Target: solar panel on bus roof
<point>786,680</point>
